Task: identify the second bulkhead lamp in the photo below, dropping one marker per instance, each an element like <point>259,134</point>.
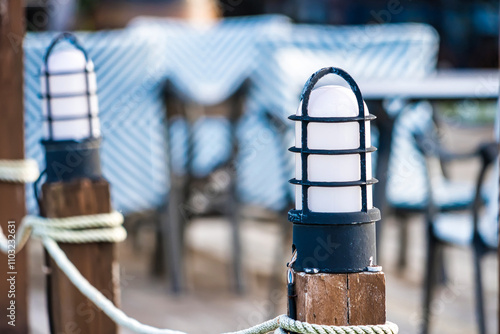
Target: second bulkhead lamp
<point>71,128</point>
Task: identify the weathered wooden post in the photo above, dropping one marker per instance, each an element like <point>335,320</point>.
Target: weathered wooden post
<point>75,186</point>
<point>497,138</point>
<point>12,201</point>
<point>333,271</point>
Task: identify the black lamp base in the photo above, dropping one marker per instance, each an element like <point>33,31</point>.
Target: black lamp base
<point>334,248</point>
<point>68,160</point>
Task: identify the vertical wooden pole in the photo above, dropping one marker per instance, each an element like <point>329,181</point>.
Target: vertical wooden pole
<point>70,311</point>
<point>341,299</point>
<point>497,138</point>
<point>12,200</point>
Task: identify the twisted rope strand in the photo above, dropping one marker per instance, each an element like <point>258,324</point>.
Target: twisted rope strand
<point>19,171</point>
<point>78,222</point>
<point>306,328</point>
<point>265,327</point>
<point>115,234</point>
<point>106,227</point>
<point>117,315</point>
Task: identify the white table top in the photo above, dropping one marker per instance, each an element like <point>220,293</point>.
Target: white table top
<point>444,85</point>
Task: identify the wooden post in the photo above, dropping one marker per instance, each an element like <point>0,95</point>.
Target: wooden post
<point>341,299</point>
<point>12,197</point>
<point>497,130</point>
<point>70,311</point>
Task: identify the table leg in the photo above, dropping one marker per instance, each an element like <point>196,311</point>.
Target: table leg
<point>173,242</point>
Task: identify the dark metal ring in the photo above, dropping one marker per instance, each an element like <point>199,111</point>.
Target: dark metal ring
<point>332,152</point>
<point>333,184</point>
<point>296,118</point>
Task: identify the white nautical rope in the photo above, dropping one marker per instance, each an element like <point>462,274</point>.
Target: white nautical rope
<point>284,323</point>
<point>19,171</point>
<point>117,315</point>
<point>106,227</point>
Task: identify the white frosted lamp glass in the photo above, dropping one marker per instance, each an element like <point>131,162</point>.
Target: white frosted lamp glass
<point>66,70</point>
<point>66,60</point>
<point>333,101</point>
<point>69,84</point>
<point>335,199</point>
<point>298,176</point>
<point>72,106</point>
<point>69,101</point>
<point>75,129</point>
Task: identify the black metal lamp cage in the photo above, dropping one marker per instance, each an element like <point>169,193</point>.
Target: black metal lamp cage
<point>333,242</point>
<point>69,158</point>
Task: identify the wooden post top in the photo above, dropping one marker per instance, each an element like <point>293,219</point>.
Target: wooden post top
<point>341,299</point>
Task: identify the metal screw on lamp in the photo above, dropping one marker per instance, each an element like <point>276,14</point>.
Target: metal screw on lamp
<point>70,109</point>
<point>333,180</point>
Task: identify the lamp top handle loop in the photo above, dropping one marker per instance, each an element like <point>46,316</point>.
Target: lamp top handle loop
<point>65,36</point>
<point>313,80</point>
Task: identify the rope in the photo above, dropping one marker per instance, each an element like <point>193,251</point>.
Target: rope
<point>19,171</point>
<point>117,315</point>
<point>280,324</point>
<point>104,227</point>
<point>284,323</point>
<point>306,328</point>
<point>107,228</point>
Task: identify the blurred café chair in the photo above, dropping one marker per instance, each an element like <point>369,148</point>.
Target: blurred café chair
<point>203,174</point>
<point>407,185</point>
<point>474,226</point>
<point>207,69</point>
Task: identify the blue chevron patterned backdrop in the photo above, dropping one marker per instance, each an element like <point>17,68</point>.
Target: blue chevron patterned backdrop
<point>207,65</point>
<point>365,52</point>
